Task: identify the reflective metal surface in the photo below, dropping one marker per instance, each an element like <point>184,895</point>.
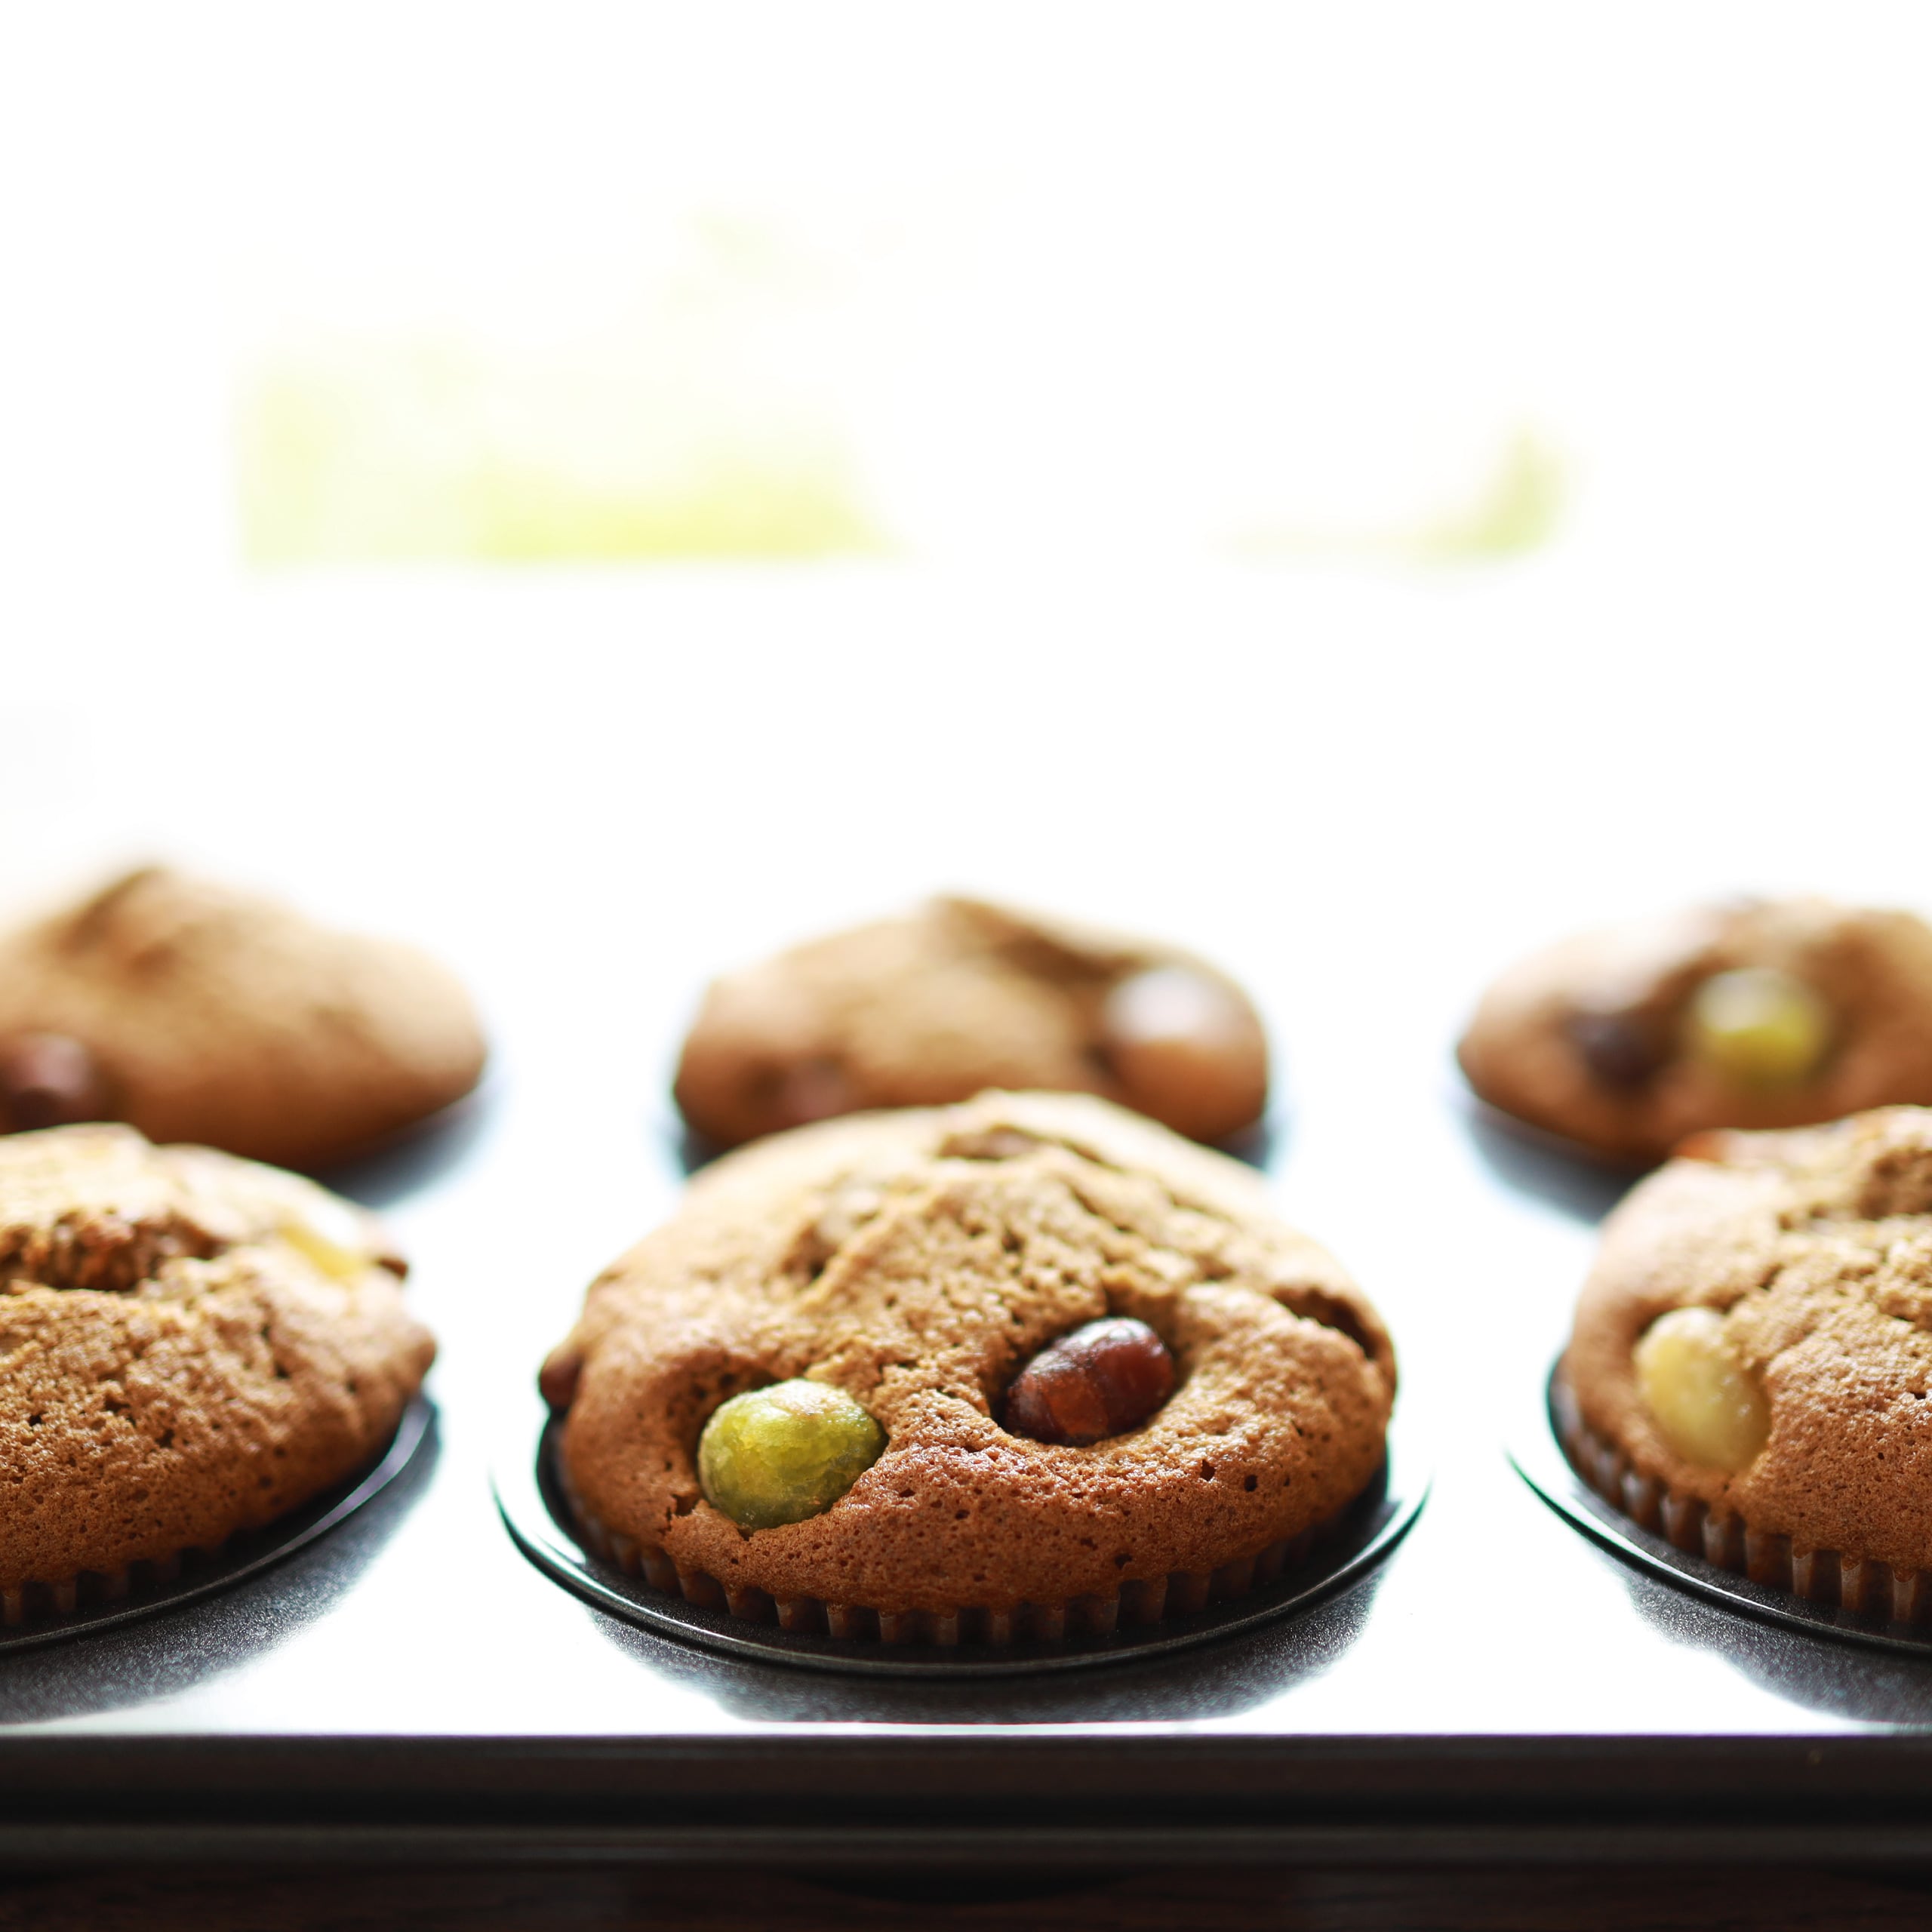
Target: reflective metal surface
<point>590,792</point>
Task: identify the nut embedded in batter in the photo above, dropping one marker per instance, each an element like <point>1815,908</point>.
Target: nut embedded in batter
<point>1756,1013</point>
<point>918,1261</point>
<point>1754,1346</point>
<point>199,1014</point>
<point>961,996</point>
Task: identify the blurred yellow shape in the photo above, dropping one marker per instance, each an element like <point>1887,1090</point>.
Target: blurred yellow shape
<point>408,452</point>
<point>1518,509</point>
<point>704,414</point>
<point>727,507</point>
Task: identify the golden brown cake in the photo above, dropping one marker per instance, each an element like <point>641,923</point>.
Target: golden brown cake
<point>197,1012</point>
<point>915,1264</point>
<point>1751,1361</point>
<point>1758,1013</point>
<point>189,1345</point>
<point>961,996</point>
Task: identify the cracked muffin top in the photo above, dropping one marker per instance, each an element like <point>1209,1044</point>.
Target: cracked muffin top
<point>1757,1333</point>
<point>961,996</point>
<point>197,1012</point>
<point>190,1345</point>
<point>912,1265</point>
<point>1757,1013</point>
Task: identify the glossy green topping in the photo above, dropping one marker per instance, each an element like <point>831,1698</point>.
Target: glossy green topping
<point>782,1453</point>
<point>1760,1028</point>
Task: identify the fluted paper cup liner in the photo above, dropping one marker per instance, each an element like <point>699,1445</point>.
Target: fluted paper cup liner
<point>1142,1603</point>
<point>1830,1578</point>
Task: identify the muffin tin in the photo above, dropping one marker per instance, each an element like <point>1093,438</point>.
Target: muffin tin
<point>1477,1676</point>
<point>410,1685</point>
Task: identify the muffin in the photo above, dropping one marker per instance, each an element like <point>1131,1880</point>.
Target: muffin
<point>908,1376</point>
<point>961,996</point>
<point>1758,1013</point>
<point>190,1344</point>
<point>196,1013</point>
<point>1750,1367</point>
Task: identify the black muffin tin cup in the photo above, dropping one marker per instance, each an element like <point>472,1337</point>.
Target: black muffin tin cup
<point>93,1603</point>
<point>1711,1556</point>
<point>538,1516</point>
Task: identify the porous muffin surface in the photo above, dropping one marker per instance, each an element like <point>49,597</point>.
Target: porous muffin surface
<point>1815,1247</point>
<point>917,1261</point>
<point>226,1019</point>
<point>1527,1050</point>
<point>961,996</point>
<point>189,1345</point>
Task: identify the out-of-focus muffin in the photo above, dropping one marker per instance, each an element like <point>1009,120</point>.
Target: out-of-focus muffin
<point>1758,1014</point>
<point>961,996</point>
<point>198,1012</point>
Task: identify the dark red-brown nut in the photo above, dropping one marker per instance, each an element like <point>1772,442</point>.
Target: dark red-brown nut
<point>1102,1379</point>
<point>49,1080</point>
<point>1622,1046</point>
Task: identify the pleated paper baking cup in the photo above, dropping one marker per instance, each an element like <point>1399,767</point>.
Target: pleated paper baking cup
<point>1592,1481</point>
<point>644,1585</point>
<point>40,1613</point>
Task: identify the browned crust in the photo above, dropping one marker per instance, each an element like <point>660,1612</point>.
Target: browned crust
<point>233,1382</point>
<point>1873,968</point>
<point>917,1260</point>
<point>230,1021</point>
<point>931,1008</point>
<point>1817,1244</point>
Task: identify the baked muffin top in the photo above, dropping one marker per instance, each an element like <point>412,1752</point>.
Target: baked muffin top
<point>198,1012</point>
<point>1812,1250</point>
<point>190,1345</point>
<point>918,1262</point>
<point>1755,1014</point>
<point>961,996</point>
